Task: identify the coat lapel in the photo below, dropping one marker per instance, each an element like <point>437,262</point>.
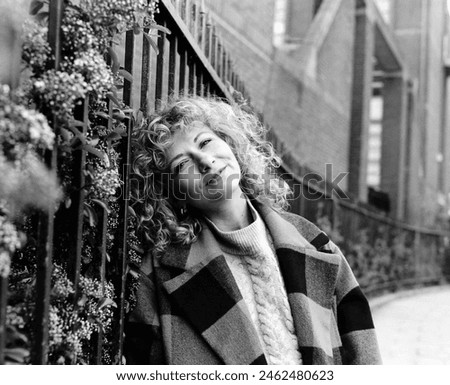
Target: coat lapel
<point>208,295</point>
<point>310,278</point>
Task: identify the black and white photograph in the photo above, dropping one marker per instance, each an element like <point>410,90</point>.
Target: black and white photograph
<point>225,182</point>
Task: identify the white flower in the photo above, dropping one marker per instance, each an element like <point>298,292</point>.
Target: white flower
<point>5,262</point>
<point>40,85</point>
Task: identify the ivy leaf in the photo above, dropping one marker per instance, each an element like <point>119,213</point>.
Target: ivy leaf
<point>78,135</point>
<point>90,213</point>
<point>104,302</point>
<point>137,249</point>
<point>103,115</point>
<point>134,273</point>
<point>113,98</point>
<point>126,75</point>
<point>76,123</point>
<point>113,136</point>
<point>160,28</point>
<point>82,301</point>
<point>100,325</point>
<point>138,118</point>
<point>132,212</point>
<point>115,64</point>
<point>133,269</point>
<point>94,142</point>
<point>12,334</point>
<point>35,7</point>
<point>40,17</point>
<point>65,134</point>
<point>118,114</point>
<point>136,29</point>
<point>121,131</point>
<point>64,148</point>
<point>152,42</point>
<point>16,354</point>
<point>97,153</point>
<point>102,204</point>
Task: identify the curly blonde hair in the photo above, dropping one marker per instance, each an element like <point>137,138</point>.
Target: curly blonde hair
<point>159,221</point>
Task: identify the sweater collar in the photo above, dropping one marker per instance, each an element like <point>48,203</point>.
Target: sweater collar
<point>246,241</point>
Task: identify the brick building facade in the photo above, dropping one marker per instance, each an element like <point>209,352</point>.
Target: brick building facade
<point>312,67</point>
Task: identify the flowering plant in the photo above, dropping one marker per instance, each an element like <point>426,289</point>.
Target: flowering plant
<point>9,243</point>
<point>22,130</point>
<point>35,49</point>
<point>72,323</point>
<point>89,75</point>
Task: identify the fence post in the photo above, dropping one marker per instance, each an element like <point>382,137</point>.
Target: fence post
<point>173,48</point>
<point>191,74</point>
<point>121,248</point>
<point>75,214</point>
<point>203,28</point>
<point>182,70</point>
<point>160,68</point>
<point>103,223</point>
<point>145,73</point>
<point>3,304</point>
<point>416,251</point>
<point>44,251</point>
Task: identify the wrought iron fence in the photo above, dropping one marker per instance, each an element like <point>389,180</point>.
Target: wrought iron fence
<point>189,60</point>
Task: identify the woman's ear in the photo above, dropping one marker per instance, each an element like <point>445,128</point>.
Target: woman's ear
<point>180,208</point>
<point>182,211</point>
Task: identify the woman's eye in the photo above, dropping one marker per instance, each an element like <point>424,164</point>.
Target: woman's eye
<point>203,143</point>
<point>179,167</point>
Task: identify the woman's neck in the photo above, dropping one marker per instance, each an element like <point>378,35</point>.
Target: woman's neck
<point>232,214</point>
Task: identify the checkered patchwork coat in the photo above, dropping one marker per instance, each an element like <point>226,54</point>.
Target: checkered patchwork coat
<point>189,309</point>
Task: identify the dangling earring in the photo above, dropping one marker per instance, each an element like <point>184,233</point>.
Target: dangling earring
<point>183,212</point>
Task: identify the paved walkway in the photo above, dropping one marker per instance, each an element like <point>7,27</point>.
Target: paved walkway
<point>413,327</point>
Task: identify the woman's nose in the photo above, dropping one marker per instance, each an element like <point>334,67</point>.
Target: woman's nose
<point>205,163</point>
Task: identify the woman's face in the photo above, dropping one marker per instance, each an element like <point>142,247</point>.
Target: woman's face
<point>204,170</point>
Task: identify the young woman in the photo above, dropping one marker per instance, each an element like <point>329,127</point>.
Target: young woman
<point>230,277</point>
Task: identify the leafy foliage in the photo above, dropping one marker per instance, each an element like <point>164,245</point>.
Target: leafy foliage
<point>89,77</point>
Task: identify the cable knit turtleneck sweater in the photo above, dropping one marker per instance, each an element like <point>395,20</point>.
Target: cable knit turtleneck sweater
<point>250,255</point>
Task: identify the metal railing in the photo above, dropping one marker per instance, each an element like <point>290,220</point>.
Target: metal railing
<point>191,59</point>
<point>385,254</point>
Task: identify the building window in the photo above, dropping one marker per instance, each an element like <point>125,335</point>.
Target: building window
<point>279,22</point>
<point>384,6</point>
<point>374,145</point>
<point>292,19</point>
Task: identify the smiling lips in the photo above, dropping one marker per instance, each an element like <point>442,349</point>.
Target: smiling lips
<point>212,177</point>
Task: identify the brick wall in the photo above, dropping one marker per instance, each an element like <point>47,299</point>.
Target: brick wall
<point>251,20</point>
<point>422,49</point>
<point>433,108</point>
<point>311,116</point>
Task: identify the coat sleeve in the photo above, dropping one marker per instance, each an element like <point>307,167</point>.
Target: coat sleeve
<point>143,341</point>
<point>354,318</point>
